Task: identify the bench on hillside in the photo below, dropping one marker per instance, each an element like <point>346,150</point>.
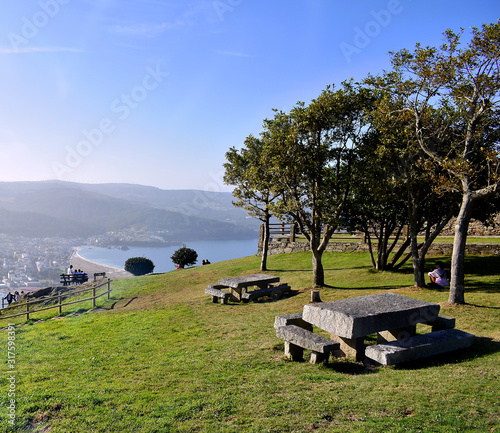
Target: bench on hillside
<point>419,346</point>
<point>297,339</point>
<point>279,291</point>
<point>99,274</point>
<point>68,279</point>
<point>215,291</point>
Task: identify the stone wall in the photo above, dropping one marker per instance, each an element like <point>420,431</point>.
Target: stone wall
<point>476,228</point>
<point>435,249</point>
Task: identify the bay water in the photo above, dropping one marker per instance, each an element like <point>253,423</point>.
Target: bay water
<point>214,251</point>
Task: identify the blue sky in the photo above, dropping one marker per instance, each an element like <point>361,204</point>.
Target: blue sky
<point>155,92</point>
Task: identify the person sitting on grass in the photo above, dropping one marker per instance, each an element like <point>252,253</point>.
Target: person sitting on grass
<point>438,276</point>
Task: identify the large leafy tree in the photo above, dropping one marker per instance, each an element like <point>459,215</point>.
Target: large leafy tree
<point>452,94</point>
<point>249,172</point>
<point>311,153</point>
<point>377,207</point>
<point>418,182</point>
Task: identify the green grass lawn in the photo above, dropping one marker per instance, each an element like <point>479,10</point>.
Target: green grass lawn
<point>159,356</point>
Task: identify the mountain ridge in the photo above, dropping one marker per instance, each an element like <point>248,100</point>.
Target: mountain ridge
<point>92,209</point>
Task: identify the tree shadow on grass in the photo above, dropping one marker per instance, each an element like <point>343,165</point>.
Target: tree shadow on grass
<point>309,270</point>
<point>351,367</point>
<point>471,287</point>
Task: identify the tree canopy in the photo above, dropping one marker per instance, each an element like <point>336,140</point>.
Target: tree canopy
<point>406,149</point>
<point>184,256</point>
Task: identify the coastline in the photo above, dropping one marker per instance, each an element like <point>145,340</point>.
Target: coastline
<point>90,267</point>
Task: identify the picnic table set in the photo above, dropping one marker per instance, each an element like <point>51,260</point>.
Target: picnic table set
<point>237,289</point>
<point>393,318</point>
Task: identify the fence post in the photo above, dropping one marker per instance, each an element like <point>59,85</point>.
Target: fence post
<point>60,305</point>
<point>93,297</point>
<point>292,233</point>
<point>27,311</point>
<point>109,287</point>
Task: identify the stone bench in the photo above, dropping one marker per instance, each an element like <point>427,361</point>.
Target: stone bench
<point>297,339</point>
<point>279,291</point>
<point>292,319</point>
<point>214,291</point>
<point>419,346</point>
<point>441,322</point>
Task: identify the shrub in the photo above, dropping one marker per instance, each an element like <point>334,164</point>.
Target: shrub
<point>184,257</point>
<point>139,266</point>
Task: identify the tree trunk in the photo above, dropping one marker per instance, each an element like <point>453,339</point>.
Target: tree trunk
<point>265,244</point>
<point>457,283</point>
<point>418,263</point>
<point>318,271</point>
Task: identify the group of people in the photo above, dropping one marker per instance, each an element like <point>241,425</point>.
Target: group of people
<point>205,262</point>
<point>14,297</point>
<point>77,274</point>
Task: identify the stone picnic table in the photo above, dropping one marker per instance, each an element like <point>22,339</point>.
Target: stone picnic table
<point>391,316</point>
<point>238,288</point>
<point>350,321</point>
<point>238,285</point>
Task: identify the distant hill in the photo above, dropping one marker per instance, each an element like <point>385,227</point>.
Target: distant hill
<point>72,209</point>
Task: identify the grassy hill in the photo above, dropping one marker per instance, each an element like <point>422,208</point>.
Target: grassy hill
<point>160,357</point>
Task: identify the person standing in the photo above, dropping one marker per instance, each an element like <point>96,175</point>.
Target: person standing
<point>9,298</point>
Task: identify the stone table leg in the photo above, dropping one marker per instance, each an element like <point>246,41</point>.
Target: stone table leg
<point>396,334</point>
<point>350,346</point>
<point>235,295</point>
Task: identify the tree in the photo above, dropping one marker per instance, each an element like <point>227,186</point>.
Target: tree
<point>417,182</point>
<point>378,207</point>
<point>311,153</point>
<point>184,257</point>
<point>462,86</point>
<point>248,171</point>
<point>139,266</point>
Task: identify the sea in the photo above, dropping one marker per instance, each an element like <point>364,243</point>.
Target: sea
<point>214,251</point>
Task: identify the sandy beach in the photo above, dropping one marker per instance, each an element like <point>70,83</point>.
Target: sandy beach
<point>90,268</point>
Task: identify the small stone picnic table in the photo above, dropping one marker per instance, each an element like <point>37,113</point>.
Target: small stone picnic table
<point>238,285</point>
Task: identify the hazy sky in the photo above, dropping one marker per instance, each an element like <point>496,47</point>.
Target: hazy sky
<point>155,92</point>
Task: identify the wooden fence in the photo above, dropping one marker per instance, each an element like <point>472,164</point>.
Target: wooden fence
<point>56,298</point>
<point>291,233</point>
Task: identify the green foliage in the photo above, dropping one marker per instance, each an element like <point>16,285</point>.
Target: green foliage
<point>452,95</point>
<point>139,266</point>
<point>184,257</point>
